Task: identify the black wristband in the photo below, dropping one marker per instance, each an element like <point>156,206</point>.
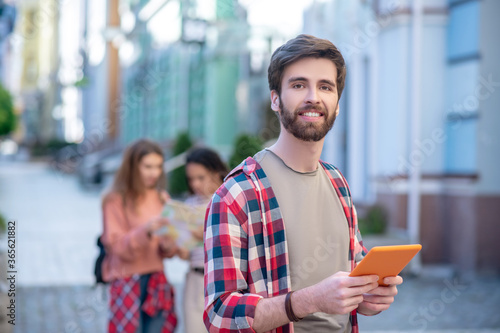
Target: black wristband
<point>289,310</point>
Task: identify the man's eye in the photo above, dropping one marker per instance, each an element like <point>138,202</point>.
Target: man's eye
<point>326,88</point>
<point>298,85</point>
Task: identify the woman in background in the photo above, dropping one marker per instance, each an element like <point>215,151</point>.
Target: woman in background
<point>205,172</point>
<point>141,298</point>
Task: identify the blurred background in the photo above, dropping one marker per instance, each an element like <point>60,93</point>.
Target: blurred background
<point>418,136</point>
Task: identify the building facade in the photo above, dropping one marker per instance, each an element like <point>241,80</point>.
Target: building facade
<point>421,120</point>
<point>189,81</point>
<point>35,70</point>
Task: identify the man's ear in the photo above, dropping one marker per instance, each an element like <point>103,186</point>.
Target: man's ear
<point>337,111</point>
<point>275,101</point>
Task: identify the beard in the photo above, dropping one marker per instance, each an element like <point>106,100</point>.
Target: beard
<point>311,132</point>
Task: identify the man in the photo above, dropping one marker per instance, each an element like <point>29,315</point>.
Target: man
<point>281,233</point>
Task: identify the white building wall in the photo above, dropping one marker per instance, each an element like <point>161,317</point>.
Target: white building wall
<point>433,61</point>
<point>393,107</point>
<point>488,95</point>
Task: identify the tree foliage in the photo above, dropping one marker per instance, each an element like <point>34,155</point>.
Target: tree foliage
<point>177,180</point>
<point>245,145</point>
<point>7,115</point>
<point>3,224</point>
<point>375,221</point>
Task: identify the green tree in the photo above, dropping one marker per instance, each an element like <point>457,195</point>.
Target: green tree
<point>3,224</point>
<point>177,180</point>
<point>245,145</point>
<point>7,116</point>
<point>375,221</point>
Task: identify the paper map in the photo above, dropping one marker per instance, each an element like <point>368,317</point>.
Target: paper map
<point>184,218</point>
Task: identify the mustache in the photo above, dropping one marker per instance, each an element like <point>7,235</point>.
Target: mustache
<point>308,108</point>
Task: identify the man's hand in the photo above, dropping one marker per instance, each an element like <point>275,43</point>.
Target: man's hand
<point>380,298</point>
<point>337,294</point>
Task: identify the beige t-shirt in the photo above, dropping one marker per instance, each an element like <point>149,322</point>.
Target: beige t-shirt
<point>316,230</point>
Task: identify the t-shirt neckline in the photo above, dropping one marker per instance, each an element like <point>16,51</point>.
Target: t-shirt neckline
<point>307,173</point>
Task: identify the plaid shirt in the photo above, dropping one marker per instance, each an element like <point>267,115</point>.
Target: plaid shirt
<point>125,303</point>
<point>246,255</point>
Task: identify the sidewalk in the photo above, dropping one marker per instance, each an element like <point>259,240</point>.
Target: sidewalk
<point>423,305</point>
<point>433,304</point>
<point>68,309</point>
<point>436,300</point>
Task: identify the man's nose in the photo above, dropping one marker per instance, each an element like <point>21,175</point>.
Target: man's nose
<point>312,96</point>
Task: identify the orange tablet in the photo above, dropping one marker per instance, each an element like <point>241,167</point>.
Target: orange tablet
<point>386,261</point>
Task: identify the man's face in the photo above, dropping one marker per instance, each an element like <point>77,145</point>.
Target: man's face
<point>308,104</point>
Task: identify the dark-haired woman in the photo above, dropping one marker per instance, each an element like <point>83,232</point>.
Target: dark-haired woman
<point>141,298</point>
<point>205,172</point>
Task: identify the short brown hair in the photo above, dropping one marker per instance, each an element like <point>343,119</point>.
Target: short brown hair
<point>304,46</point>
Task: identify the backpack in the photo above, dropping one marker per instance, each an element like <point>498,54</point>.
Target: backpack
<point>98,262</point>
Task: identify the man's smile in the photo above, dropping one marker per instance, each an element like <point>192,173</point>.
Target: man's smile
<point>311,115</point>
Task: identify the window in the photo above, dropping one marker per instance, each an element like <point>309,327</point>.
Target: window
<point>463,31</point>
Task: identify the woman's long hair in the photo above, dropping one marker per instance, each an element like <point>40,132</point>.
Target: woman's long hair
<point>128,182</point>
<point>209,159</point>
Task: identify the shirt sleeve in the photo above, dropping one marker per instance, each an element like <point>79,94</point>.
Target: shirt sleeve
<point>359,249</point>
<point>229,306</point>
<point>118,238</point>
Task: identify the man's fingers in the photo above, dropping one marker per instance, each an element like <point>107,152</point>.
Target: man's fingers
<point>360,290</point>
<point>376,299</point>
<point>393,280</point>
<point>357,291</point>
<point>376,307</point>
<point>349,309</point>
<point>365,279</point>
<point>354,281</point>
<point>354,300</point>
<point>384,291</point>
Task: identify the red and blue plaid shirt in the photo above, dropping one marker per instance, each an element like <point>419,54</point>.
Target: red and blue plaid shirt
<point>246,255</point>
<point>125,304</point>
